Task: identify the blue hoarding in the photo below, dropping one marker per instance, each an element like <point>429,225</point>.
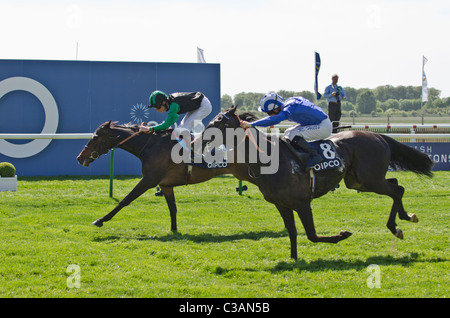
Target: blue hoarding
<point>439,152</point>
<point>76,97</point>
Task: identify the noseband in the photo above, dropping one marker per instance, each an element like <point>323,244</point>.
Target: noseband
<point>94,154</point>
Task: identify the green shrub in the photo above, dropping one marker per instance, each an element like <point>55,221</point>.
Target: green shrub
<point>7,170</point>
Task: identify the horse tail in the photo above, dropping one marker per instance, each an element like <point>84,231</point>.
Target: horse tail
<point>407,158</point>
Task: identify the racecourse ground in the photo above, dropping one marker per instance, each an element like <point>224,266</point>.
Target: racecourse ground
<point>227,246</point>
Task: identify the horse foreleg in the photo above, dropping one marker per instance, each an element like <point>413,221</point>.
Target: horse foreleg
<point>305,213</point>
<point>143,185</point>
<point>289,223</point>
<point>170,199</point>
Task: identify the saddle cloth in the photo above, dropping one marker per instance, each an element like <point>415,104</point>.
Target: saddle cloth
<point>326,149</point>
<point>202,161</point>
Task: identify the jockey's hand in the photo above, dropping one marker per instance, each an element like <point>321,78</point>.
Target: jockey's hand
<point>145,129</point>
<point>246,124</point>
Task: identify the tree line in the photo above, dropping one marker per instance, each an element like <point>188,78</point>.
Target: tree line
<point>383,100</point>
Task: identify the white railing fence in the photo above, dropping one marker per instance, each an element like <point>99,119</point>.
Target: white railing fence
<point>417,133</point>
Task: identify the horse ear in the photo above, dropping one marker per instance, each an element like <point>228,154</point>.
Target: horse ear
<point>106,125</point>
<point>109,123</point>
<point>233,108</point>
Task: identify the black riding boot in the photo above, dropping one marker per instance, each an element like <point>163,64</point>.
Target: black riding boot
<point>301,143</point>
<point>301,156</point>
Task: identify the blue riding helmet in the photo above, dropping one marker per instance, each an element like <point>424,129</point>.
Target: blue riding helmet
<point>270,101</point>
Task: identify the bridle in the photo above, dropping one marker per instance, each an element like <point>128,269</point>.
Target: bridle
<point>95,154</point>
<point>248,133</point>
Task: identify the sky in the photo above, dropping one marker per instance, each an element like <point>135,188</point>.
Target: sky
<point>261,45</point>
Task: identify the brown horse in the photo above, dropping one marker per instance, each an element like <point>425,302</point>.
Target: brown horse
<point>158,168</point>
<point>154,151</point>
<point>366,157</point>
<point>288,188</point>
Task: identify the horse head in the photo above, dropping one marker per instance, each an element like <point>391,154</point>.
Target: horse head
<point>225,119</point>
<point>228,119</point>
<point>100,143</point>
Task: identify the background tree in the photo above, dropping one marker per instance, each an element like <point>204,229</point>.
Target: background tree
<point>399,99</point>
<point>366,102</point>
<point>351,94</point>
<point>226,101</point>
<point>410,104</point>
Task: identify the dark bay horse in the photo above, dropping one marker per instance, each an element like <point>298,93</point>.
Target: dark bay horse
<point>154,151</point>
<point>287,190</point>
<point>158,168</point>
<point>366,157</point>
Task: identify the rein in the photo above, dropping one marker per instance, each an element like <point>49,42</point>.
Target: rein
<point>129,137</point>
<point>248,133</point>
<point>95,154</point>
<point>126,139</point>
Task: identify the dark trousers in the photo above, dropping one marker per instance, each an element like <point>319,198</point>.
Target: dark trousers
<point>334,112</point>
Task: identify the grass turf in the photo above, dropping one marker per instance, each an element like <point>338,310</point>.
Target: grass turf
<point>227,246</point>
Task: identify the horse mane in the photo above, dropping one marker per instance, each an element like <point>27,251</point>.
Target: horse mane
<point>248,116</point>
<point>130,125</point>
<point>135,127</point>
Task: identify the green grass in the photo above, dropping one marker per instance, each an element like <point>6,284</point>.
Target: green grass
<point>227,246</point>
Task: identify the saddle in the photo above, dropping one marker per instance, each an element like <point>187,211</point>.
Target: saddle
<point>325,148</point>
<point>199,161</point>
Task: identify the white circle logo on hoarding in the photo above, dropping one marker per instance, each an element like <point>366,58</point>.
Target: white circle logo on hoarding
<point>51,116</point>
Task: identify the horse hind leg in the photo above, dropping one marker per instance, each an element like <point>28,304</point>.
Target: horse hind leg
<point>402,214</point>
<point>391,188</point>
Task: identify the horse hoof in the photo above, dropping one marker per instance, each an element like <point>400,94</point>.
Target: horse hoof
<point>345,234</point>
<point>399,234</point>
<point>97,223</point>
<point>414,218</point>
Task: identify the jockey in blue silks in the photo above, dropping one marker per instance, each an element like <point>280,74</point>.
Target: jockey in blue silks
<point>314,124</point>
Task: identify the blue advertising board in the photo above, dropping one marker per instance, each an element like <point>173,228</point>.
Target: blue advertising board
<point>39,96</point>
<point>439,152</point>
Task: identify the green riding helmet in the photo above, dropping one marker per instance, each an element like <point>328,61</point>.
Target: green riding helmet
<point>156,99</point>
